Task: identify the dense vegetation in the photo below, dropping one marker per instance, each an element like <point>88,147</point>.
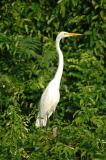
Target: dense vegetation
<point>28,61</point>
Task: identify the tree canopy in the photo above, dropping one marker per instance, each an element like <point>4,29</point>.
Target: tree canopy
<point>28,61</point>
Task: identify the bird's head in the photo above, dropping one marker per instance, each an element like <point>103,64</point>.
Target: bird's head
<point>66,34</point>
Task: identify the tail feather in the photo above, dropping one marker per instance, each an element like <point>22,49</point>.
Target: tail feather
<point>41,121</point>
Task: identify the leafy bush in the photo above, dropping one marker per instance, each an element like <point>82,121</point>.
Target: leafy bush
<point>28,60</point>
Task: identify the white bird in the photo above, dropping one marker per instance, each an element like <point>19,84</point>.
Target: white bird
<point>51,94</point>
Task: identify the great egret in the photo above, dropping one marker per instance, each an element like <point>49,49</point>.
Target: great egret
<point>51,95</point>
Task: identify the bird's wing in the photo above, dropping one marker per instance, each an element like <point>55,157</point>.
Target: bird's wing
<point>49,100</point>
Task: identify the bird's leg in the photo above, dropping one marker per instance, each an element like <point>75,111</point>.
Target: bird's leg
<point>47,121</point>
<point>54,115</point>
<point>40,121</point>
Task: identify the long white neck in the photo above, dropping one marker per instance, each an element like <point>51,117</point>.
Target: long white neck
<point>59,71</point>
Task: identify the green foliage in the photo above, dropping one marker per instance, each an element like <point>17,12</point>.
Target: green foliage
<point>28,60</point>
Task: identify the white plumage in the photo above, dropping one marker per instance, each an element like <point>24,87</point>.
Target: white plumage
<point>51,95</point>
<point>48,103</point>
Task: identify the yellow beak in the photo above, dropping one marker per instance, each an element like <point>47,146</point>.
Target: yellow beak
<point>73,34</point>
